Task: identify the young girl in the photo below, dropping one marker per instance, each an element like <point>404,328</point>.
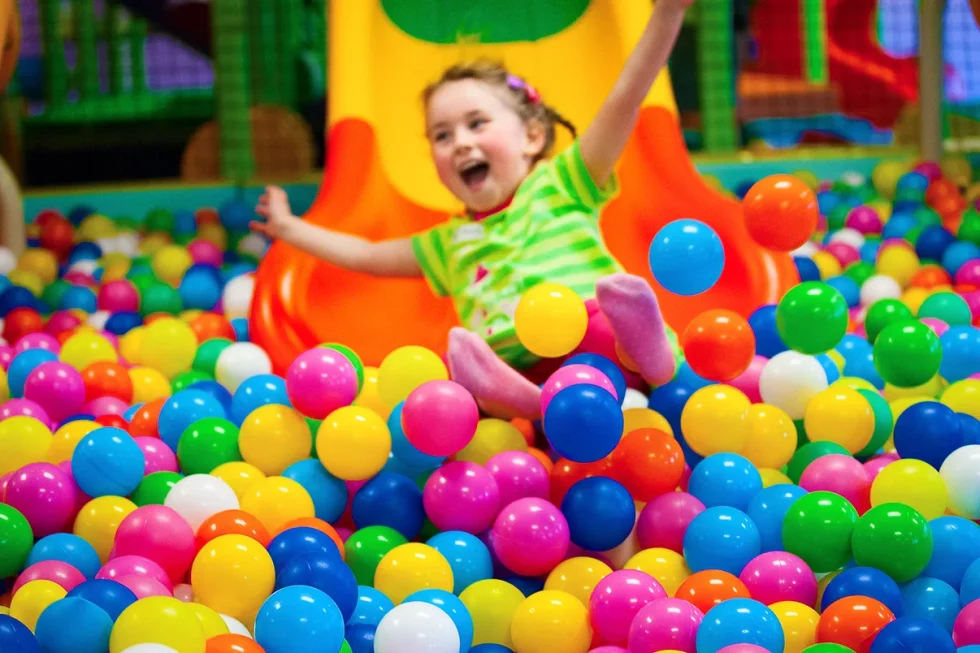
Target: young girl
<point>528,219</point>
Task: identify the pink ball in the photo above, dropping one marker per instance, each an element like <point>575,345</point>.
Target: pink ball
<point>617,599</point>
<point>969,273</point>
<point>38,340</point>
<point>56,571</point>
<point>440,417</point>
<point>844,253</point>
<point>972,300</point>
<point>938,326</point>
<point>930,169</point>
<point>519,475</point>
<point>45,495</point>
<point>118,296</point>
<point>966,628</point>
<point>779,576</point>
<point>748,381</point>
<point>159,534</point>
<point>184,593</point>
<point>24,408</point>
<point>665,625</point>
<point>878,463</point>
<point>158,456</point>
<point>609,649</point>
<point>664,520</point>
<point>144,586</point>
<point>105,406</point>
<point>461,496</point>
<point>320,381</point>
<point>134,565</point>
<point>61,321</point>
<point>344,533</point>
<point>80,498</point>
<point>206,252</point>
<point>842,475</point>
<point>80,278</point>
<point>530,536</point>
<point>6,355</point>
<point>57,387</point>
<point>570,375</point>
<point>864,219</point>
<point>743,648</point>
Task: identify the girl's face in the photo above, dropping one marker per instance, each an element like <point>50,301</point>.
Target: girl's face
<point>481,147</point>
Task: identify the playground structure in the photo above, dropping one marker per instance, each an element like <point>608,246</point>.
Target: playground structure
<point>11,210</point>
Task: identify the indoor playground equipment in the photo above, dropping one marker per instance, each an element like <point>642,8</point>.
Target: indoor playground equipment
<point>379,183</point>
<point>11,208</point>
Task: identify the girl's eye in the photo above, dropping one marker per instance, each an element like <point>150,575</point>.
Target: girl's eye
<point>441,137</point>
<point>476,123</point>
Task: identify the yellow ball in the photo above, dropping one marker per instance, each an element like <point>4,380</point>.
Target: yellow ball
<point>27,279</point>
<point>211,622</point>
<point>238,475</point>
<point>276,500</point>
<point>645,418</point>
<point>370,397</point>
<point>273,437</point>
<point>214,233</point>
<point>96,226</point>
<point>86,347</point>
<point>41,262</point>
<point>411,567</point>
<point>168,345</point>
<point>799,623</point>
<point>353,443</point>
<point>492,603</point>
<point>912,482</point>
<point>772,477</point>
<point>170,262</point>
<point>130,344</point>
<point>827,264</point>
<point>152,243</point>
<point>4,385</point>
<point>66,438</point>
<point>963,397</point>
<point>914,297</point>
<point>931,388</point>
<point>578,577</point>
<point>714,420</point>
<point>807,178</point>
<point>98,521</point>
<point>23,440</point>
<point>886,175</point>
<point>840,415</point>
<point>667,566</point>
<point>854,383</point>
<point>407,368</point>
<point>772,437</point>
<point>899,262</point>
<point>233,575</point>
<point>550,621</point>
<point>32,599</point>
<point>148,384</point>
<point>492,436</point>
<point>550,320</point>
<point>158,620</point>
<point>957,168</point>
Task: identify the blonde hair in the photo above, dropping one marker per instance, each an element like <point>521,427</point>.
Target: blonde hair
<point>523,97</point>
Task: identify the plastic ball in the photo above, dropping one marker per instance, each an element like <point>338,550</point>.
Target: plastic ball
<point>530,536</point>
<point>440,417</point>
<point>462,496</point>
<point>583,408</point>
<point>44,494</point>
<point>240,361</point>
<point>913,634</point>
<point>412,567</point>
<point>895,539</point>
<point>233,574</point>
<point>812,317</point>
<point>66,548</point>
<point>57,387</point>
<point>664,520</point>
<point>199,496</point>
<point>841,475</point>
<point>790,380</point>
<point>928,431</point>
<point>394,500</point>
<point>713,420</point>
<point>718,345</point>
<point>550,320</point>
<point>34,598</point>
<point>551,620</point>
<point>780,212</point>
<point>818,528</point>
<point>366,547</point>
<point>107,462</point>
<point>160,534</point>
<point>600,513</point>
<point>725,479</point>
<point>740,621</point>
<point>616,600</point>
<point>569,375</point>
<point>840,415</point>
<point>721,538</point>
<point>665,625</point>
<point>853,621</point>
<point>86,347</point>
<point>319,381</point>
<point>273,437</point>
<point>417,623</point>
<point>686,257</point>
<point>353,443</point>
<point>89,631</point>
<point>863,581</point>
<point>405,369</point>
<point>492,437</point>
<point>907,353</point>
<point>276,501</point>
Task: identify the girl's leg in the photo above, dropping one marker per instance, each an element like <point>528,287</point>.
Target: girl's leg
<point>631,307</point>
<point>12,230</point>
<point>499,389</point>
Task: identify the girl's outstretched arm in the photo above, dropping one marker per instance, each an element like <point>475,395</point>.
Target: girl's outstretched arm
<point>604,140</point>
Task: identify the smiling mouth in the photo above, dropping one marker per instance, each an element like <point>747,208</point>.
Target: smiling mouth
<point>474,174</point>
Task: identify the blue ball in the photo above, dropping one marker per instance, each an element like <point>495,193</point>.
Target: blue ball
<point>121,323</point>
<point>687,257</point>
<point>216,390</point>
<point>408,456</point>
<point>961,353</point>
<point>957,254</point>
<point>970,426</point>
<point>740,621</point>
<point>827,200</point>
<point>299,619</point>
<point>970,585</point>
<point>490,648</point>
<point>768,509</point>
<point>864,581</point>
<point>955,546</point>
<point>361,638</point>
<point>669,400</point>
<point>240,325</point>
<point>600,513</point>
<point>372,606</point>
<point>689,377</point>
<point>235,215</point>
<point>79,213</point>
<point>912,181</point>
<point>604,365</point>
<point>200,287</point>
<point>927,431</point>
<point>183,409</point>
<point>392,500</point>
<point>847,287</point>
<point>66,547</point>
<point>107,462</point>
<point>829,367</point>
<point>22,365</point>
<point>327,573</point>
<point>78,297</point>
<point>16,637</point>
<point>932,242</point>
<point>869,251</point>
<point>721,538</point>
<point>298,541</point>
<point>806,268</point>
<point>580,409</point>
<point>185,223</point>
<point>255,392</point>
<point>109,595</point>
<point>328,492</point>
<point>85,251</point>
<point>468,557</point>
<point>768,342</point>
<point>931,598</point>
<point>15,297</point>
<point>453,607</point>
<point>73,625</point>
<point>899,225</point>
<point>912,635</point>
<point>725,479</point>
<point>527,585</point>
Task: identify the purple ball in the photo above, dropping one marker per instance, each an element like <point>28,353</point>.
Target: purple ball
<point>57,387</point>
<point>45,495</point>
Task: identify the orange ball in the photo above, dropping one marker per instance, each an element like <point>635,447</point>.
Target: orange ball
<point>781,212</point>
<point>706,589</point>
<point>211,325</point>
<point>20,322</point>
<point>718,344</point>
<point>232,522</point>
<point>144,422</point>
<point>316,524</point>
<point>565,474</point>
<point>543,458</point>
<point>107,379</point>
<point>940,190</point>
<point>854,622</point>
<point>231,643</point>
<point>648,462</point>
<point>930,276</point>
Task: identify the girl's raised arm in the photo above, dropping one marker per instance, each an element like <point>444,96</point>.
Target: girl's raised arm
<point>604,140</point>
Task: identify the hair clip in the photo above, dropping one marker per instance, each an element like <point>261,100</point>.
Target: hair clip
<point>530,93</point>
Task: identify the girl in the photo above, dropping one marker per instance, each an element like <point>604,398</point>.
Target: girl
<point>528,219</point>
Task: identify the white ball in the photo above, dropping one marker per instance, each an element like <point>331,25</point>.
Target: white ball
<point>806,250</point>
<point>253,244</point>
<point>240,361</point>
<point>634,399</point>
<point>789,380</point>
<point>87,267</point>
<point>98,319</point>
<point>235,626</point>
<point>108,244</point>
<point>848,236</point>
<point>880,286</point>
<point>128,243</point>
<point>417,627</point>
<point>237,296</point>
<point>150,648</point>
<point>199,496</point>
<point>853,178</point>
<point>7,261</point>
<point>961,474</point>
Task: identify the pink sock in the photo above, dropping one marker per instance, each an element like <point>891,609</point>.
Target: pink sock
<point>499,388</point>
<point>634,314</point>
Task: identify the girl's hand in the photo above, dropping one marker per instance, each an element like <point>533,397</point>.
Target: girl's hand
<point>274,207</point>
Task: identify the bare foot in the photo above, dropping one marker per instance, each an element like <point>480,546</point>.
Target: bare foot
<point>499,388</point>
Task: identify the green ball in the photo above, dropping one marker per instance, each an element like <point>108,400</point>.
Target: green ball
<point>926,216</point>
<point>127,222</point>
<point>154,488</point>
<point>837,217</point>
<point>366,547</point>
<point>206,444</point>
<point>354,359</point>
<point>884,421</point>
<point>948,307</point>
<point>16,540</point>
<point>53,292</point>
<point>818,528</point>
<point>809,452</point>
<point>912,235</point>
<point>186,379</point>
<point>160,298</point>
<point>143,281</point>
<point>160,220</point>
<point>827,647</point>
<point>346,648</point>
<point>907,353</point>
<point>207,354</point>
<point>882,313</point>
<point>894,538</point>
<point>812,317</point>
<point>970,230</point>
<point>860,272</point>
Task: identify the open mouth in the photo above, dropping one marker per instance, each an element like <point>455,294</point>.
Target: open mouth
<point>474,174</point>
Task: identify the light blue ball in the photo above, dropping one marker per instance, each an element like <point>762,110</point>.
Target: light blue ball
<point>687,257</point>
<point>73,625</point>
<point>107,462</point>
<point>740,621</point>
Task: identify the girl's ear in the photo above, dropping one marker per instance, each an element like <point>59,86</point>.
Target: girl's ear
<point>536,137</point>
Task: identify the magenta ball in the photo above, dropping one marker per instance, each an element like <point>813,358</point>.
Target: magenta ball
<point>38,340</point>
<point>105,406</point>
<point>119,296</point>
<point>966,628</point>
<point>609,649</point>
<point>665,625</point>
<point>461,496</point>
<point>45,495</point>
<point>842,475</point>
<point>24,408</point>
<point>158,456</point>
<point>844,253</point>
<point>320,381</point>
<point>617,599</point>
<point>80,497</point>
<point>160,534</point>
<point>440,417</point>
<point>938,326</point>
<point>205,252</point>
<point>144,586</point>
<point>864,219</point>
<point>134,565</point>
<point>56,571</point>
<point>972,300</point>
<point>57,387</point>
<point>61,321</point>
<point>748,381</point>
<point>6,355</point>
<point>664,520</point>
<point>519,475</point>
<point>874,466</point>
<point>777,576</point>
<point>570,375</point>
<point>743,648</point>
<point>969,273</point>
<point>530,536</point>
<point>930,169</point>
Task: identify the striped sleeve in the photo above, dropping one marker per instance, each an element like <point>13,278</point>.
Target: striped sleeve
<point>431,250</point>
<point>574,180</point>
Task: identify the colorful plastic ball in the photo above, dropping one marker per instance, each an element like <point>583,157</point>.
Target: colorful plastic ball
<point>461,496</point>
<point>725,479</point>
<point>768,342</point>
<point>273,437</point>
<point>157,620</point>
<point>600,513</point>
<point>418,623</point>
<point>854,622</point>
<point>493,436</point>
<point>199,496</point>
<point>569,375</point>
<point>67,548</point>
<point>686,257</point>
<point>840,474</point>
<point>239,361</point>
<point>325,572</point>
<point>863,581</point>
<point>44,494</point>
<point>530,536</point>
<point>23,364</point>
<point>648,462</point>
<point>32,599</point>
<point>440,417</point>
<point>371,607</point>
<point>60,573</point>
<point>353,443</point>
<point>56,387</point>
<point>928,431</point>
<point>931,598</point>
<point>740,621</point>
<point>551,620</point>
<point>182,410</point>
<point>718,345</point>
<point>578,576</point>
<point>818,528</point>
<point>405,369</point>
<point>664,520</point>
<point>961,353</point>
<point>721,538</point>
<point>790,380</point>
<point>393,500</point>
<point>255,392</point>
<point>160,534</point>
<point>452,606</point>
<point>124,568</point>
<point>411,567</point>
<point>492,604</point>
<point>617,599</point>
<point>779,576</point>
<point>233,574</point>
<point>365,549</point>
<point>894,538</point>
<point>840,415</point>
<point>467,555</point>
<point>406,455</point>
<point>208,443</point>
<point>15,636</point>
<point>955,540</point>
<point>329,493</point>
<point>550,320</point>
<point>913,634</point>
<point>583,408</point>
<point>319,381</point>
<point>276,501</point>
<point>665,625</point>
<point>107,462</point>
<point>812,317</point>
<point>907,353</point>
<point>780,212</point>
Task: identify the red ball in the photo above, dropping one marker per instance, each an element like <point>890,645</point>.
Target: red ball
<point>781,212</point>
<point>21,321</point>
<point>58,236</point>
<point>107,379</point>
<point>718,345</point>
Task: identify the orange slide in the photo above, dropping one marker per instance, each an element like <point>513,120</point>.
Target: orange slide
<point>379,182</point>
